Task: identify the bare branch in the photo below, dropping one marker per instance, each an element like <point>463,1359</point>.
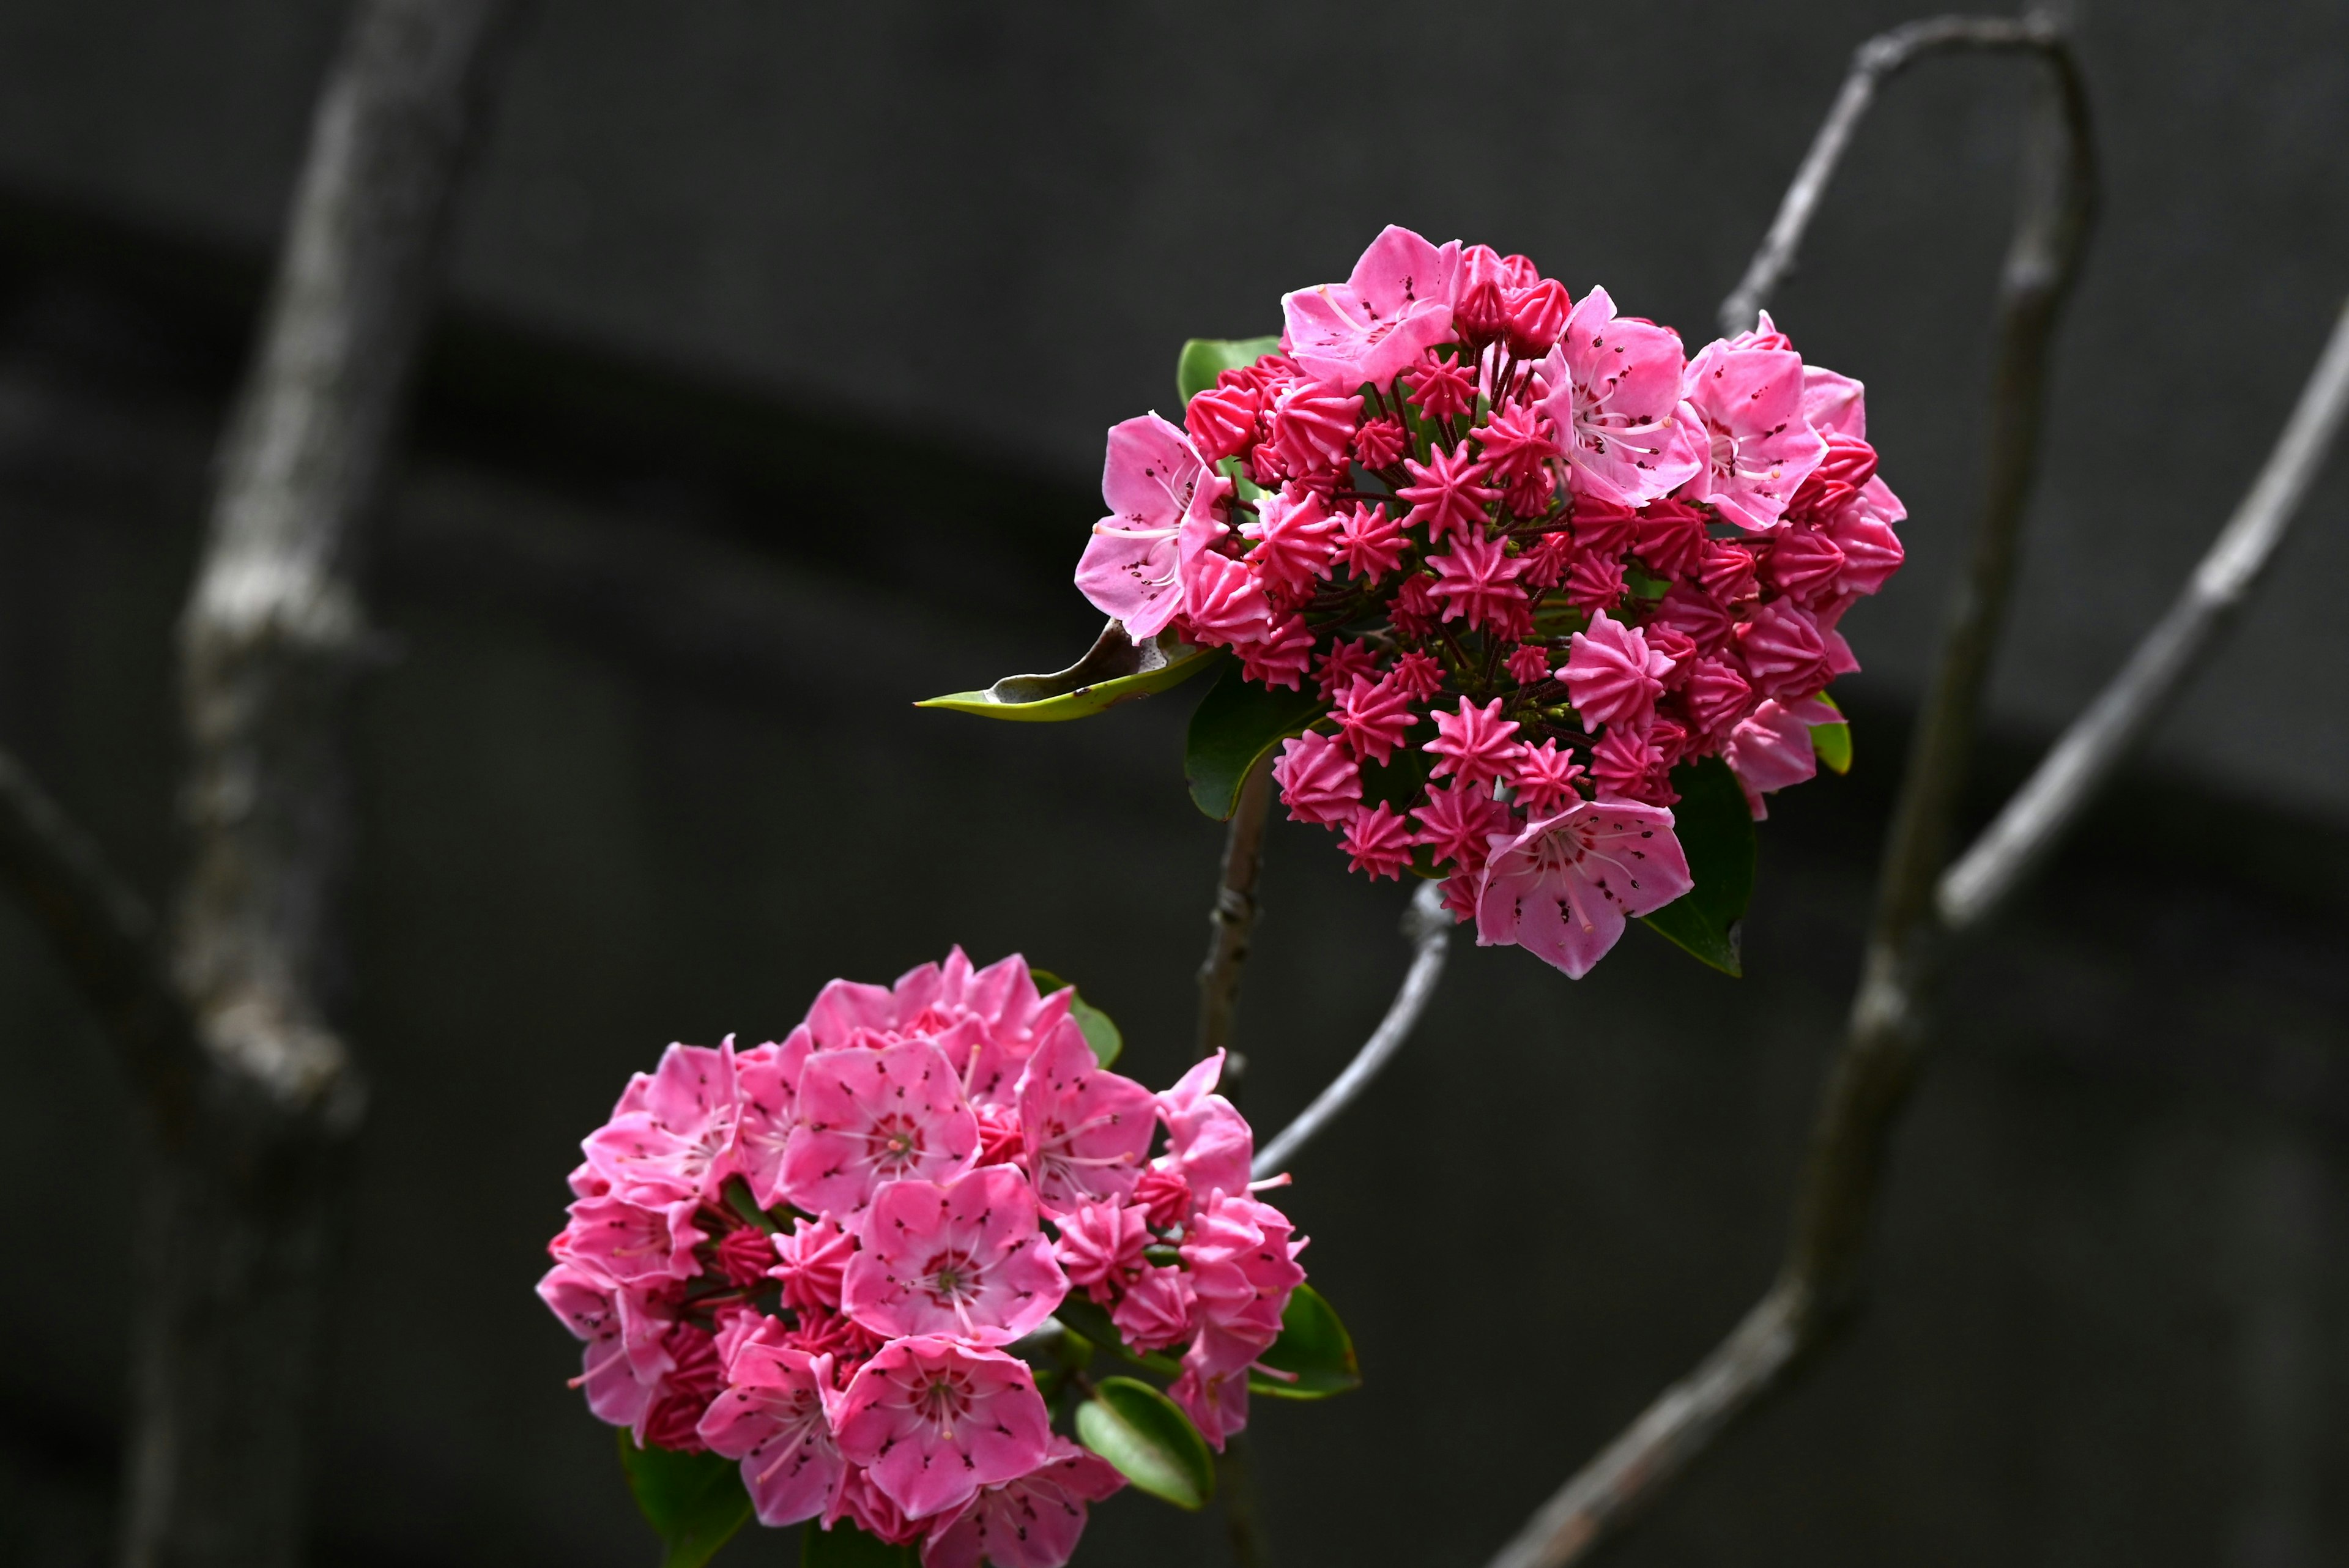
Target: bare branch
<point>1428,924</point>
<point>241,1222</point>
<point>1818,1284</point>
<point>1233,919</point>
<point>1873,64</point>
<point>2046,807</point>
<point>103,931</point>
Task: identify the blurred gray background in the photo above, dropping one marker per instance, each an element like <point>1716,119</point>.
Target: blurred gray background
<point>769,396</point>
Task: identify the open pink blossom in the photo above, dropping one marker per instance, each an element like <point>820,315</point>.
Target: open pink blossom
<point>1214,1395</point>
<point>1615,391</point>
<point>772,1416</point>
<point>986,1020</point>
<point>624,1244</point>
<point>1241,1256</point>
<point>623,1361</point>
<point>964,1257</point>
<point>1563,887</point>
<point>1770,749</point>
<point>1756,447</point>
<point>1395,307</point>
<point>867,1117</point>
<point>1031,1522</point>
<point>1086,1131</point>
<point>1208,1140</point>
<point>1612,675</point>
<point>671,1134</point>
<point>767,1083</point>
<point>1154,484</point>
<point>932,1421</point>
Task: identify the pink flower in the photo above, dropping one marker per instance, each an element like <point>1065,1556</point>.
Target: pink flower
<point>1221,420</point>
<point>1563,887</point>
<point>1615,390</point>
<point>1671,536</point>
<point>1446,496</point>
<point>1419,675</point>
<point>1770,749</point>
<point>623,1362</point>
<point>1371,719</point>
<point>1717,694</point>
<point>671,1134</point>
<point>1031,1522</point>
<point>1343,661</point>
<point>1222,600</point>
<point>1624,766</point>
<point>1595,583</point>
<point>1537,315</point>
<point>1312,426</point>
<point>1155,485</point>
<point>1087,1130</point>
<point>1294,540</point>
<point>1101,1246</point>
<point>1281,656</point>
<point>1377,843</point>
<point>617,1242</point>
<point>1515,443</point>
<point>1319,783</point>
<point>771,1417</point>
<point>1370,542</point>
<point>1156,1311</point>
<point>1692,612</point>
<point>1804,561</point>
<point>1756,447</point>
<point>1784,654</point>
<point>1455,823</point>
<point>1477,579</point>
<point>964,1257</point>
<point>1241,1255</point>
<point>1214,1398</point>
<point>1442,388</point>
<point>869,1116</point>
<point>1612,675</point>
<point>1396,305</point>
<point>1208,1140</point>
<point>767,1081</point>
<point>1472,743</point>
<point>864,1504</point>
<point>1379,443</point>
<point>814,1257</point>
<point>933,1421</point>
<point>1606,527</point>
<point>1545,778</point>
<point>1528,664</point>
<point>1162,1195</point>
<point>986,1020</point>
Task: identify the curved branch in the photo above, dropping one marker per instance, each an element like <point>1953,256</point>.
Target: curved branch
<point>1429,926</point>
<point>2043,809</point>
<point>1884,1049</point>
<point>1873,64</point>
<point>103,931</point>
<point>1233,920</point>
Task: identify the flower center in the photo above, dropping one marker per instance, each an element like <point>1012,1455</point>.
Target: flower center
<point>953,1277</point>
<point>944,1399</point>
<point>896,1142</point>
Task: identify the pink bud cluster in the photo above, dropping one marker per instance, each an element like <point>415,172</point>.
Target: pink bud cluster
<point>812,1256</point>
<point>1531,557</point>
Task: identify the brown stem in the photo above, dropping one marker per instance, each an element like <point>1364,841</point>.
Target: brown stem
<point>1818,1283</point>
<point>240,1215</point>
<point>1231,921</point>
<point>1243,1509</point>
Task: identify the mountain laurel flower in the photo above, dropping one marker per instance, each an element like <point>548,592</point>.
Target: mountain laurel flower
<point>1472,745</point>
<point>1377,843</point>
<point>932,1420</point>
<point>1318,781</point>
<point>1395,307</point>
<point>1370,542</point>
<point>1476,581</point>
<point>1756,448</point>
<point>869,1115</point>
<point>965,1258</point>
<point>1101,1245</point>
<point>1611,674</point>
<point>1032,1521</point>
<point>1564,887</point>
<point>1154,482</point>
<point>772,1416</point>
<point>1373,718</point>
<point>1441,389</point>
<point>1445,495</point>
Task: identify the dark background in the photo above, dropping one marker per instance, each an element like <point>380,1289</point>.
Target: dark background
<point>769,396</point>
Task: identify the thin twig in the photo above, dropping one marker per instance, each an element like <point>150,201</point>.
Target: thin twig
<point>103,931</point>
<point>1818,1281</point>
<point>2043,809</point>
<point>1233,919</point>
<point>1873,64</point>
<point>1428,925</point>
<point>241,1220</point>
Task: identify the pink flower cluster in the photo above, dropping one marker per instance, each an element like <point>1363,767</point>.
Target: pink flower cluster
<point>812,1256</point>
<point>1532,556</point>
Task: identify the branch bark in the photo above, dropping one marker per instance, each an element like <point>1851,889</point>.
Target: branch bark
<point>1233,920</point>
<point>240,1215</point>
<point>1429,926</point>
<point>1818,1288</point>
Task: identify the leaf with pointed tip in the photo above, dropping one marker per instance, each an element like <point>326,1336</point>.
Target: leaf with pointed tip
<point>694,1502</point>
<point>1149,1440</point>
<point>1832,742</point>
<point>1204,359</point>
<point>1233,726</point>
<point>1715,828</point>
<point>1101,1034</point>
<point>845,1546</point>
<point>1116,670</point>
<point>1314,1351</point>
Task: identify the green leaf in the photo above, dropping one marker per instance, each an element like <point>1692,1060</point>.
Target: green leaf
<point>1153,1444</point>
<point>845,1546</point>
<point>1234,724</point>
<point>1832,741</point>
<point>1314,1347</point>
<point>1088,1320</point>
<point>1101,1034</point>
<point>1204,359</point>
<point>1116,670</point>
<point>694,1502</point>
<point>1715,827</point>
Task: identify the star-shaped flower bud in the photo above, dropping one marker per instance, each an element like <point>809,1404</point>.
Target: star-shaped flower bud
<point>1371,718</point>
<point>1544,779</point>
<point>1318,781</point>
<point>1377,843</point>
<point>1445,495</point>
<point>1477,579</point>
<point>1472,745</point>
<point>1612,675</point>
<point>1370,542</point>
<point>1442,388</point>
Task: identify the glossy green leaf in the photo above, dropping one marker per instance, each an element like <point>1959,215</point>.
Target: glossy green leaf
<point>1116,670</point>
<point>1101,1034</point>
<point>1715,827</point>
<point>694,1502</point>
<point>1204,359</point>
<point>1832,741</point>
<point>1146,1436</point>
<point>845,1546</point>
<point>1233,726</point>
<point>1314,1349</point>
